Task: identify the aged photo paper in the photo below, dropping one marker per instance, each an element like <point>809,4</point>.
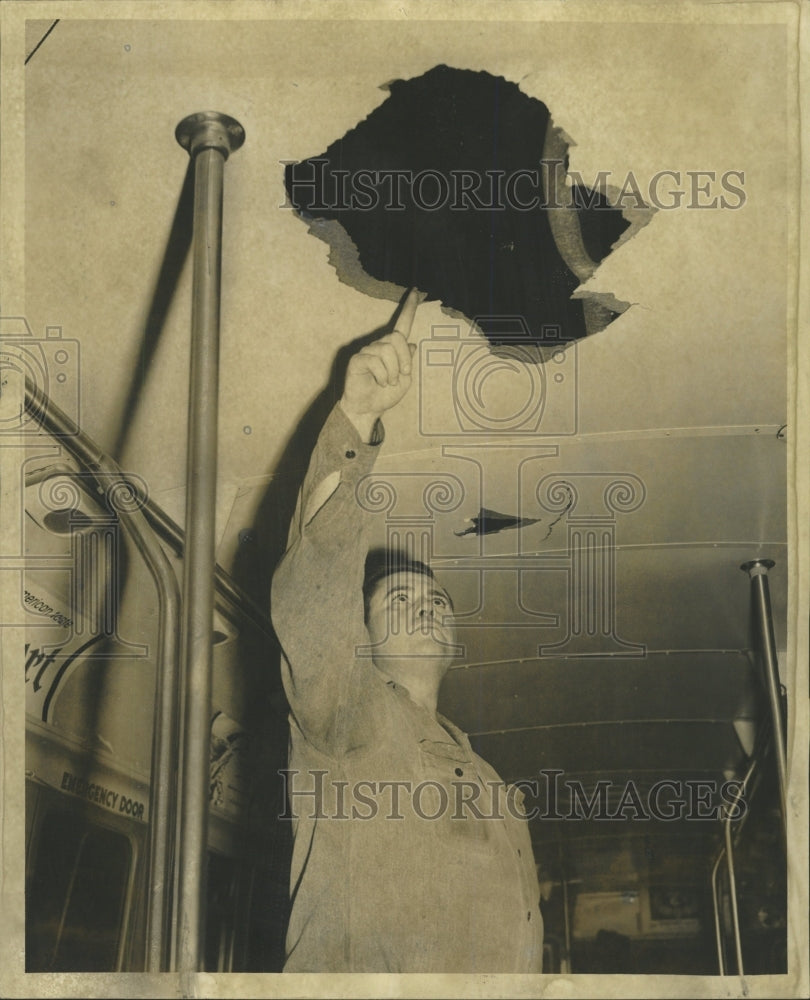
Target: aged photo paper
<point>599,445</point>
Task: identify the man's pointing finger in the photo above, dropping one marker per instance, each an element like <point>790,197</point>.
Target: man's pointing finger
<point>405,319</point>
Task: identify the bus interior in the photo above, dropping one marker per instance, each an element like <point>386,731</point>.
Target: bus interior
<point>612,520</point>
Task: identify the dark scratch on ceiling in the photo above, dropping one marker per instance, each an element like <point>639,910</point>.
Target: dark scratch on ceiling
<point>559,517</point>
<point>36,47</point>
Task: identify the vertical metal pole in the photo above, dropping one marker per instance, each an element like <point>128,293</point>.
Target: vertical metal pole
<point>567,923</point>
<point>732,882</point>
<point>732,887</point>
<point>209,137</point>
<point>757,570</point>
<point>721,965</point>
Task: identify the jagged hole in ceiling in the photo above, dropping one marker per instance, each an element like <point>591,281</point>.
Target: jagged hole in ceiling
<point>457,185</point>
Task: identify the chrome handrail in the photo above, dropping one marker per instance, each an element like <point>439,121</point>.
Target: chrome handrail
<point>728,851</point>
<point>147,523</point>
<point>162,792</point>
<point>757,570</point>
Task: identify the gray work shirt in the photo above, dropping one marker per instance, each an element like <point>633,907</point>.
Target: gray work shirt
<point>410,854</point>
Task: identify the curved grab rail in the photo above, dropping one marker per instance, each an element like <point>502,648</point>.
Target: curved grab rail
<point>162,793</point>
<point>728,851</point>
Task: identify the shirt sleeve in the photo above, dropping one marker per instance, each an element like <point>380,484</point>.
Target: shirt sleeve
<point>317,590</point>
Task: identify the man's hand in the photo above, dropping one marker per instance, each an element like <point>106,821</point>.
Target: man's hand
<point>379,375</point>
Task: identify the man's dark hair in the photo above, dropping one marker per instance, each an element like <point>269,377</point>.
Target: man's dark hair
<point>381,563</point>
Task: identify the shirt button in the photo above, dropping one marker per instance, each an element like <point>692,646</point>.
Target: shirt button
<point>459,772</point>
<point>350,453</point>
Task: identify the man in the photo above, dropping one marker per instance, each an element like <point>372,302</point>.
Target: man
<point>410,855</point>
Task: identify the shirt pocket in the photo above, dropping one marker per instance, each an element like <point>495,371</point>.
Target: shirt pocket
<point>453,799</point>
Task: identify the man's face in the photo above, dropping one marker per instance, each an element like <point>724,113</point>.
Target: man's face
<point>410,615</point>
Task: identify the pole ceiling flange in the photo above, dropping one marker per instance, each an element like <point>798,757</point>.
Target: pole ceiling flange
<point>210,130</point>
<point>758,567</point>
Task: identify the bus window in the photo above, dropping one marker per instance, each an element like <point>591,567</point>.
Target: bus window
<point>246,917</point>
<point>75,896</point>
<point>221,913</point>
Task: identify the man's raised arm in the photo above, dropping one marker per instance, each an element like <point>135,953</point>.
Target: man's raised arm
<point>317,599</point>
